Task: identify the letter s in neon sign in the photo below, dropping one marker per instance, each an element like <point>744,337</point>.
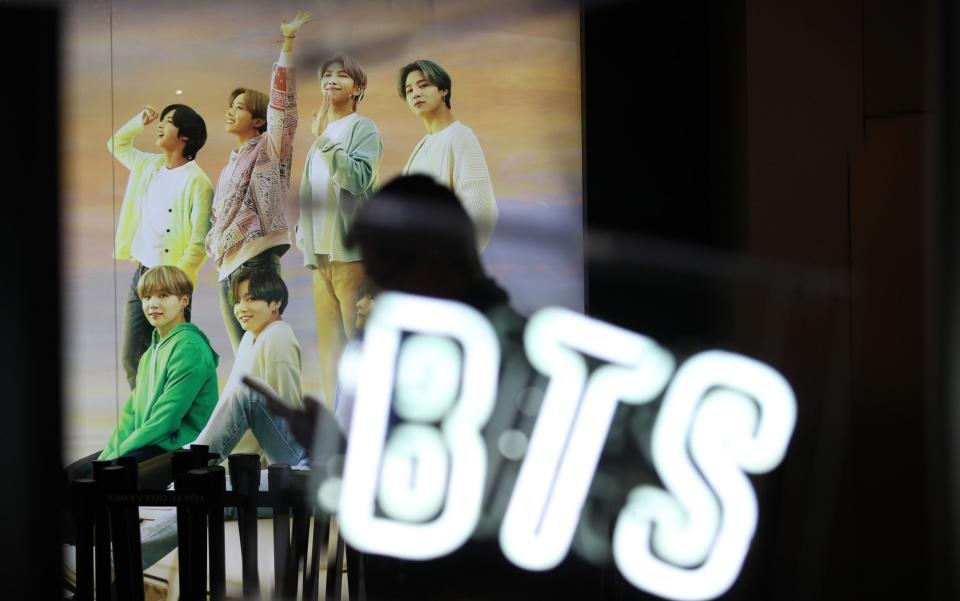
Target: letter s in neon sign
<point>734,414</point>
<point>722,414</point>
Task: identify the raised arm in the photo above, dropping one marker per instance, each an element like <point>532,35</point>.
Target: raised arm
<point>120,144</point>
<point>282,110</point>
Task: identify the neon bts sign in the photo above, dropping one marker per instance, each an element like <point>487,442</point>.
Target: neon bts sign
<point>722,415</point>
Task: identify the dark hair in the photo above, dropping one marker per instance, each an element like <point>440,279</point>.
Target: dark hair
<point>414,212</point>
<point>432,72</point>
<point>190,125</point>
<point>265,285</point>
<point>353,69</point>
<point>257,103</point>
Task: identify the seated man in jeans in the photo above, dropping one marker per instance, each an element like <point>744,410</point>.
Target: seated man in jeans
<point>269,352</point>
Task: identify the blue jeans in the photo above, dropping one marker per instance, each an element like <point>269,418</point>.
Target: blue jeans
<point>243,410</point>
<point>268,260</point>
<point>234,414</point>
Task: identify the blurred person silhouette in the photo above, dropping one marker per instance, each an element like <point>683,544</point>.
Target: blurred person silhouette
<point>416,237</point>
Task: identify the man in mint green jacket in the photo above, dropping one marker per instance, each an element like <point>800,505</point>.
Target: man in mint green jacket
<point>165,215</point>
<point>341,172</point>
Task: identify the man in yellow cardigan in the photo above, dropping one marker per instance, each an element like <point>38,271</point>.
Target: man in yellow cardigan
<point>165,214</point>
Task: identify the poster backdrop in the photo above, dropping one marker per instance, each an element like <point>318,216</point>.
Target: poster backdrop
<point>515,67</point>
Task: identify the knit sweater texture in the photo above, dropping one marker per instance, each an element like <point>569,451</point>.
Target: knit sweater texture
<point>453,157</point>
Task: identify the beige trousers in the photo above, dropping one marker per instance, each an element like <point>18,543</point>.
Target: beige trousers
<point>336,289</point>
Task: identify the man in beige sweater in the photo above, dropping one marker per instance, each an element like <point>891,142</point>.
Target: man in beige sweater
<point>450,153</point>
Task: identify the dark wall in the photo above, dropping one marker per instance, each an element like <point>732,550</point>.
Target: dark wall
<point>771,194</point>
<point>30,349</point>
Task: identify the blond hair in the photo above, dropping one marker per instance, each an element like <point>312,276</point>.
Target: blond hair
<point>167,279</point>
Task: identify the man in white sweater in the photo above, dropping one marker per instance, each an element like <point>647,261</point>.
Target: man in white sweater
<point>450,153</point>
<point>268,351</point>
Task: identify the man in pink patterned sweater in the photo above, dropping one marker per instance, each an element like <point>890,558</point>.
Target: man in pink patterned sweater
<point>249,229</point>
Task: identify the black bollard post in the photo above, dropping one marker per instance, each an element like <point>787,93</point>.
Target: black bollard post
<point>335,570</point>
<point>184,514</point>
<point>116,483</point>
<point>130,463</point>
<point>278,479</point>
<point>202,455</point>
<point>216,485</point>
<point>193,587</point>
<point>102,564</point>
<point>301,528</point>
<point>84,496</point>
<point>132,475</point>
<point>356,579</point>
<point>318,549</point>
<point>245,477</point>
<point>182,462</point>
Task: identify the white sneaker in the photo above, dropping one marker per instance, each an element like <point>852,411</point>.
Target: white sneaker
<point>70,567</point>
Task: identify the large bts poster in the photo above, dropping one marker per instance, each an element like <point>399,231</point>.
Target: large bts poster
<point>513,83</point>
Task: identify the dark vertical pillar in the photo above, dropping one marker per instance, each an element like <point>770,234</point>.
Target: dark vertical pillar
<point>804,119</point>
<point>31,350</point>
<point>102,536</point>
<point>85,496</point>
<point>942,416</point>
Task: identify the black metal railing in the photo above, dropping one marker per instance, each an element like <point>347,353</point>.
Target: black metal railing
<point>106,512</point>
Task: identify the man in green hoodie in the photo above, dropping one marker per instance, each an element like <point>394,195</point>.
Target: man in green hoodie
<point>176,385</point>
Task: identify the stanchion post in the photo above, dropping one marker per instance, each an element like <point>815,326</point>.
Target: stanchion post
<point>116,482</point>
<point>245,477</point>
<point>216,485</point>
<point>102,564</point>
<point>278,479</point>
